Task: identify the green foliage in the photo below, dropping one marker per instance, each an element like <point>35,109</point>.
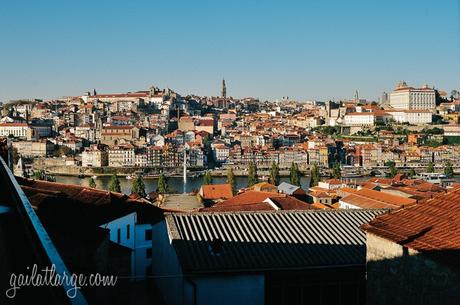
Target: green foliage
<point>38,175</point>
<point>328,130</point>
<point>448,169</point>
<point>315,175</point>
<point>393,170</point>
<point>274,174</point>
<point>207,178</point>
<point>138,186</point>
<point>253,178</point>
<point>336,170</point>
<point>434,130</point>
<point>231,179</point>
<point>294,174</point>
<point>15,155</point>
<point>162,184</point>
<point>62,151</point>
<point>430,168</point>
<point>390,163</point>
<point>412,173</point>
<point>92,183</point>
<point>114,184</point>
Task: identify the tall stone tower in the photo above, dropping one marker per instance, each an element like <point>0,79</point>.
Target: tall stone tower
<point>224,89</point>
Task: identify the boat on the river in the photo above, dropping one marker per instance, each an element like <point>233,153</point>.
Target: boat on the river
<point>129,177</point>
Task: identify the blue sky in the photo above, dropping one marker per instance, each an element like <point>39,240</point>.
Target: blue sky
<point>267,49</point>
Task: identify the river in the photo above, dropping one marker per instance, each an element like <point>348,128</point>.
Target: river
<point>175,183</point>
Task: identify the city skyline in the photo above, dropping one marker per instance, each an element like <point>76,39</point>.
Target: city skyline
<point>270,50</point>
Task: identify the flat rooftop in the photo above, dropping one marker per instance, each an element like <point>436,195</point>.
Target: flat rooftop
<point>181,202</point>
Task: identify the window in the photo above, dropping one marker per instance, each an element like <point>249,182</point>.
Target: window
<point>148,234</point>
<point>148,252</point>
<point>127,231</point>
<point>118,235</point>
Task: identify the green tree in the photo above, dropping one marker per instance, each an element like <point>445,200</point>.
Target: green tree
<point>15,155</point>
<point>412,173</point>
<point>62,151</point>
<point>448,169</point>
<point>294,174</point>
<point>274,174</point>
<point>162,184</point>
<point>253,178</point>
<point>207,178</point>
<point>138,186</point>
<point>393,170</point>
<point>430,168</point>
<point>114,184</point>
<point>38,175</point>
<point>92,183</point>
<point>336,171</point>
<point>315,175</point>
<point>231,179</point>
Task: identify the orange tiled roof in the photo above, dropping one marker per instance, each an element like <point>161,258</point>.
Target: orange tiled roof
<point>217,191</point>
<point>431,226</point>
<point>370,199</point>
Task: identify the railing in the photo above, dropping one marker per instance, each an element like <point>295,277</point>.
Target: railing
<point>25,242</point>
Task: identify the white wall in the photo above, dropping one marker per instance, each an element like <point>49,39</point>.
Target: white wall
<point>141,261</point>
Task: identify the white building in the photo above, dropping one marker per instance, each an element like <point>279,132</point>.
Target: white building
<point>221,152</point>
<point>120,156</point>
<point>405,97</point>
<point>19,130</point>
<point>86,131</point>
<point>136,235</point>
<point>415,117</point>
<point>365,118</point>
<point>94,157</point>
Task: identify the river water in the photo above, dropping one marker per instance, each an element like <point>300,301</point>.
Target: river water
<point>175,183</point>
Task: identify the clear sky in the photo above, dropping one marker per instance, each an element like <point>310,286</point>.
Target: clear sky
<point>268,49</point>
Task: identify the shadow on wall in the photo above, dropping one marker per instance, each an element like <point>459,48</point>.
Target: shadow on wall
<point>430,278</point>
<point>291,273</point>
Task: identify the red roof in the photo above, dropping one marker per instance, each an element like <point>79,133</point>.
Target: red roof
<point>430,226</point>
<point>291,203</point>
<point>370,199</point>
<point>217,191</point>
<point>14,124</point>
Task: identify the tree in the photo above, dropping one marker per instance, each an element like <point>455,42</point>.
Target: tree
<point>412,173</point>
<point>207,178</point>
<point>15,155</point>
<point>448,169</point>
<point>393,170</point>
<point>38,175</point>
<point>315,175</point>
<point>274,177</point>
<point>162,184</point>
<point>138,186</point>
<point>231,179</point>
<point>114,184</point>
<point>430,168</point>
<point>336,171</point>
<point>253,178</point>
<point>92,183</point>
<point>294,174</point>
<point>62,151</point>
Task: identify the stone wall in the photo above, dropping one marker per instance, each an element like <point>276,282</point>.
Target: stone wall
<point>398,275</point>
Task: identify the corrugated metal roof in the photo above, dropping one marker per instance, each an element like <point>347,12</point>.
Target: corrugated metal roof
<point>287,188</point>
<point>249,241</point>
